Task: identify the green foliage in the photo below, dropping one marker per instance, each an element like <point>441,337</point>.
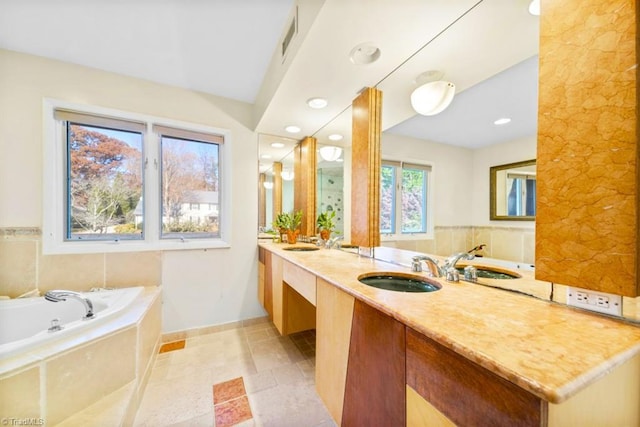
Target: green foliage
<point>187,227</point>
<point>129,228</point>
<point>325,220</point>
<point>288,221</point>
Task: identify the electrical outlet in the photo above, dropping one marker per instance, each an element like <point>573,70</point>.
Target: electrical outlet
<point>595,301</point>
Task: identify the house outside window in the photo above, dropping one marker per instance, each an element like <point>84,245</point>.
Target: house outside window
<point>127,182</point>
<point>404,195</point>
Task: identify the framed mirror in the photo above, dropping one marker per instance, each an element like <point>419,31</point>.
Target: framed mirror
<point>512,195</point>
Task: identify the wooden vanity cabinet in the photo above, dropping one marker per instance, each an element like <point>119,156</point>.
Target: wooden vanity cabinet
<point>465,393</point>
<point>287,292</point>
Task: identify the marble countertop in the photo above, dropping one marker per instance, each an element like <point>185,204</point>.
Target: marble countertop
<point>547,348</point>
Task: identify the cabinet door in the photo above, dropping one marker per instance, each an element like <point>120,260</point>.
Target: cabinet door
<point>466,393</point>
<point>334,312</point>
<point>375,387</point>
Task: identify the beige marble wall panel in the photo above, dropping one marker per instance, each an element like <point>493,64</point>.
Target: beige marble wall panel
<point>17,266</point>
<point>149,331</point>
<point>444,245</point>
<point>77,272</point>
<point>506,244</point>
<point>72,379</point>
<point>482,235</point>
<point>587,189</point>
<point>20,395</point>
<point>140,269</point>
<point>461,239</point>
<point>426,246</point>
<point>529,247</point>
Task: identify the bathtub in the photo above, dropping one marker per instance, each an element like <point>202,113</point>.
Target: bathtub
<point>24,323</point>
<point>58,376</point>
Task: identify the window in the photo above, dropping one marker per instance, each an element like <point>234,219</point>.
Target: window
<point>127,182</point>
<point>189,177</point>
<point>521,194</point>
<point>403,198</point>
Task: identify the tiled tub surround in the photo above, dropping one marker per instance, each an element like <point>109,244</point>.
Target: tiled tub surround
<point>24,268</point>
<point>96,377</point>
<point>508,243</point>
<point>547,349</point>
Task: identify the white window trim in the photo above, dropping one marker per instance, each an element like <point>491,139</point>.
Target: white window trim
<point>53,177</point>
<point>430,233</point>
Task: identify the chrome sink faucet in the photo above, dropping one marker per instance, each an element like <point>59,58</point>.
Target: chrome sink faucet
<point>58,295</point>
<point>334,242</point>
<point>453,259</point>
<point>434,269</point>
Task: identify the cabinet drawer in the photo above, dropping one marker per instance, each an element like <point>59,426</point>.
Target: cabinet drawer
<point>301,280</point>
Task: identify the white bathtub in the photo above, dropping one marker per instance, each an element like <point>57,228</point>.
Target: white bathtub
<point>24,323</point>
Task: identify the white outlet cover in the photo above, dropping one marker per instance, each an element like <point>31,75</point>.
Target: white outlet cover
<point>615,301</point>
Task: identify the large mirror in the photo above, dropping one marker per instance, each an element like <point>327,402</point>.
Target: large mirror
<point>513,191</point>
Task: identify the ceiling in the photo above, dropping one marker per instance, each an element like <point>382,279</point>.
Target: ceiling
<point>231,49</point>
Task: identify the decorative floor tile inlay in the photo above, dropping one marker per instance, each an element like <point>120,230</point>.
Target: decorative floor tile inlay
<point>171,346</point>
<point>231,404</point>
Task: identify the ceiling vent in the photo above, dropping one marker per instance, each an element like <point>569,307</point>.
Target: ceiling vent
<point>291,32</point>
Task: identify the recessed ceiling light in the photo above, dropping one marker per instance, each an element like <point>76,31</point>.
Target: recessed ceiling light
<point>364,53</point>
<point>277,145</point>
<point>292,129</point>
<point>317,103</point>
<point>502,121</point>
<point>335,137</point>
<point>265,156</point>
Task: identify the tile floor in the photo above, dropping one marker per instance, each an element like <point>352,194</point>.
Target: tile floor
<point>247,376</point>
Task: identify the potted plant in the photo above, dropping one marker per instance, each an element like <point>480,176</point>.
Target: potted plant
<point>326,224</point>
<point>280,225</point>
<point>288,223</point>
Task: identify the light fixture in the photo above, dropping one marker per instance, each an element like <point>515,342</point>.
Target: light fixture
<point>534,7</point>
<point>268,185</point>
<point>287,175</point>
<point>317,103</point>
<point>433,95</point>
<point>364,54</point>
<point>292,129</point>
<point>277,145</point>
<point>502,121</point>
<point>330,153</point>
<point>335,137</point>
<point>265,156</point>
<point>339,160</point>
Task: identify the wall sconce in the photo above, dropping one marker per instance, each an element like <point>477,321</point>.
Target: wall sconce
<point>330,153</point>
<point>286,175</point>
<point>268,185</point>
<point>433,95</point>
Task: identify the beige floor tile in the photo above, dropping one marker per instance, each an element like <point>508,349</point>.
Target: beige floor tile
<point>278,378</point>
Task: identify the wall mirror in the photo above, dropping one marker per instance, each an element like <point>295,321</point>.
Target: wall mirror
<point>274,149</point>
<point>512,195</point>
<point>330,184</point>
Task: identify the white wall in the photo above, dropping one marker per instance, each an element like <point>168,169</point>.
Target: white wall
<point>200,287</point>
<point>452,174</point>
<point>461,176</point>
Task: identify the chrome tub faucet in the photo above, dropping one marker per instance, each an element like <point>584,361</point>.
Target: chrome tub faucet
<point>59,295</point>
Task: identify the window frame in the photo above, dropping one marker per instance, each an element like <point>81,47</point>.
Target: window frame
<point>397,203</point>
<point>54,176</point>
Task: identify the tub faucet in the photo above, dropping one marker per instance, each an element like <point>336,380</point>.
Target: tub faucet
<point>434,269</point>
<point>58,295</point>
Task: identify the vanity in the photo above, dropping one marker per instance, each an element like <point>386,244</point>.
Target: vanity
<point>465,354</point>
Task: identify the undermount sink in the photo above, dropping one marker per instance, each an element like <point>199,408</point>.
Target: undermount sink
<point>491,273</point>
<point>399,282</point>
<point>300,248</point>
